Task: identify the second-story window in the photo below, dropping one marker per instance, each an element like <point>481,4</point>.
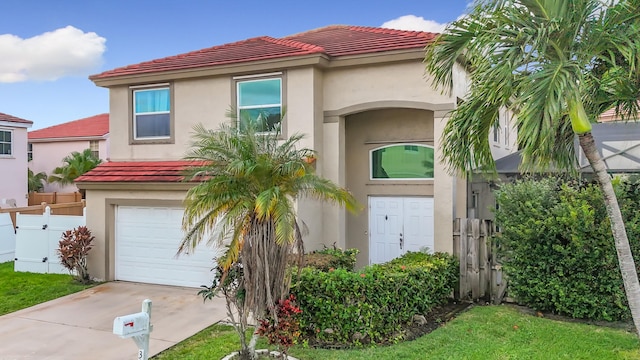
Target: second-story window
<point>29,151</point>
<point>152,113</point>
<point>94,146</point>
<point>259,102</point>
<point>5,143</point>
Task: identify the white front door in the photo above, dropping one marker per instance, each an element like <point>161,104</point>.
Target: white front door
<point>147,239</point>
<point>398,225</point>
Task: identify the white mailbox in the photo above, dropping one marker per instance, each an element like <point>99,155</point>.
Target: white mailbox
<point>131,325</point>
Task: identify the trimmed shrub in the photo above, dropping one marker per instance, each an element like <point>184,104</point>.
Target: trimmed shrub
<point>332,258</point>
<point>341,307</point>
<point>73,249</point>
<point>558,250</point>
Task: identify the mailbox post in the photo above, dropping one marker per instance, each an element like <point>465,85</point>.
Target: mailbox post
<point>136,326</point>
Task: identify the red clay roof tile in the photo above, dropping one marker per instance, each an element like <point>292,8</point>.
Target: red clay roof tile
<point>332,41</point>
<point>138,171</point>
<point>260,48</point>
<point>340,40</point>
<point>97,125</point>
<point>13,119</point>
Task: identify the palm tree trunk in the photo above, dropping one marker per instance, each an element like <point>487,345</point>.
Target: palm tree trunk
<point>625,258</point>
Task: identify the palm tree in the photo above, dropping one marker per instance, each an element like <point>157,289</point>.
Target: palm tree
<point>34,181</point>
<point>247,192</point>
<point>75,164</point>
<point>556,64</point>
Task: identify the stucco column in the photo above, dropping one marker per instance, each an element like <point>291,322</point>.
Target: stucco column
<point>333,164</point>
<point>444,191</point>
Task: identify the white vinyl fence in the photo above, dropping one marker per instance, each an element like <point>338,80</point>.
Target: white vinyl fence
<point>7,238</point>
<point>37,238</point>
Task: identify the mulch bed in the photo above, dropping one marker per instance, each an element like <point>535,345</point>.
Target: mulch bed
<point>436,318</point>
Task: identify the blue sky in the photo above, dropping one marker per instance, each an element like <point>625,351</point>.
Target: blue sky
<point>49,48</point>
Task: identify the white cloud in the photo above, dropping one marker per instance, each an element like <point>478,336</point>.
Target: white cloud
<point>50,56</point>
<point>414,23</point>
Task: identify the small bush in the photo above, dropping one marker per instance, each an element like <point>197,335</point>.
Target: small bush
<point>558,250</point>
<point>332,258</point>
<point>370,306</point>
<point>73,249</point>
<point>285,331</point>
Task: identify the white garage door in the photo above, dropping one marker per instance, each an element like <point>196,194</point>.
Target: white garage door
<point>147,239</point>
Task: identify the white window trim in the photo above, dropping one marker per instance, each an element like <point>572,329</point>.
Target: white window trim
<point>257,78</point>
<point>137,89</point>
<point>9,156</point>
<point>398,179</point>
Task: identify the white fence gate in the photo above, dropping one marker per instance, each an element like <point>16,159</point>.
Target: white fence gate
<point>7,238</point>
<point>37,238</point>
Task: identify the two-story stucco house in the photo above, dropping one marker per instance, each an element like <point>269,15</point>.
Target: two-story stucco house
<point>13,160</point>
<point>360,95</point>
<point>50,145</point>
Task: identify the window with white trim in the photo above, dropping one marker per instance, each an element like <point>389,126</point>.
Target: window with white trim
<point>94,146</point>
<point>259,102</point>
<point>152,113</point>
<point>402,162</point>
<point>29,151</point>
<point>6,148</point>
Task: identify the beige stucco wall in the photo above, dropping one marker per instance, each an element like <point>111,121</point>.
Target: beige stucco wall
<point>406,81</point>
<point>199,101</point>
<point>14,167</point>
<point>304,115</point>
<point>342,111</point>
<point>48,155</point>
<point>350,93</point>
<point>369,130</point>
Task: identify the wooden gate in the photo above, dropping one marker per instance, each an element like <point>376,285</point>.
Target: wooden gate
<point>481,274</point>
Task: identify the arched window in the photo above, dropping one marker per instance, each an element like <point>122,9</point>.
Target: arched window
<point>402,161</point>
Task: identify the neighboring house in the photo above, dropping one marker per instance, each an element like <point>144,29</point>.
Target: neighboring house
<point>48,146</point>
<point>13,160</point>
<point>360,95</point>
<point>618,143</point>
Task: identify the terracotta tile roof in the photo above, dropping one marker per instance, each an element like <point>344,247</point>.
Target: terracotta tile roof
<point>97,125</point>
<point>336,40</point>
<point>340,40</point>
<point>13,119</point>
<point>610,116</point>
<point>138,171</point>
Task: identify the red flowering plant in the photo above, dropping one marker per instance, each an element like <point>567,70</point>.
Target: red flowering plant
<point>285,330</point>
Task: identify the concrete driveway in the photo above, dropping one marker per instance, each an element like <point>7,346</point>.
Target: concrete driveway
<point>79,326</point>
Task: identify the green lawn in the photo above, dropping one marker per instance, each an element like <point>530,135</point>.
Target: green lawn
<point>20,290</point>
<point>490,332</point>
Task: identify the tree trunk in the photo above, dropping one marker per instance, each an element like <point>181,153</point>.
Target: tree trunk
<point>625,258</point>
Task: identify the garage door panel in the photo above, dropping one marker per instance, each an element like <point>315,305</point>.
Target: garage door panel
<point>147,239</point>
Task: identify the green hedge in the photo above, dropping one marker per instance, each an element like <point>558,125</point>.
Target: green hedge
<point>344,307</point>
<point>332,258</point>
<point>558,250</point>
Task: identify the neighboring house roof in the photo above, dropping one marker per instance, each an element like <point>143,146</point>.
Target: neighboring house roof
<point>615,140</point>
<point>610,115</point>
<point>92,127</point>
<point>607,116</point>
<point>16,120</point>
<point>138,171</point>
<point>330,41</point>
<point>509,164</point>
